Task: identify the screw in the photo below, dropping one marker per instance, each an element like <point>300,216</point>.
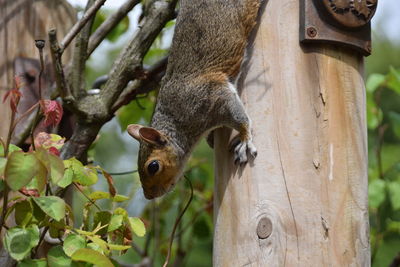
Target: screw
<point>264,228</point>
<point>311,32</point>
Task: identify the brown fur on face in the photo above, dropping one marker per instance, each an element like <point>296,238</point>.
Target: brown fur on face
<point>154,146</point>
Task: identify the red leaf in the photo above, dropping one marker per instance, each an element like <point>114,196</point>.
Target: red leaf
<point>52,111</point>
<point>15,96</point>
<point>54,151</point>
<point>29,192</point>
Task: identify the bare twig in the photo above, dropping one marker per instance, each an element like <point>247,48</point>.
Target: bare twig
<point>178,220</point>
<point>77,72</point>
<point>56,53</point>
<point>107,26</point>
<point>79,25</point>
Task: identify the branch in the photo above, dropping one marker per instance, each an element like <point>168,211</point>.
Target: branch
<point>109,24</point>
<point>129,62</point>
<point>90,12</point>
<point>56,53</point>
<point>137,87</point>
<point>94,111</point>
<point>79,57</point>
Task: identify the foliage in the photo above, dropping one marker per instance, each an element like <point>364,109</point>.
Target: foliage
<point>383,96</point>
<point>42,177</point>
<point>36,174</point>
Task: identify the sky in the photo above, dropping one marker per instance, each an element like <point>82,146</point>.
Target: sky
<point>385,22</point>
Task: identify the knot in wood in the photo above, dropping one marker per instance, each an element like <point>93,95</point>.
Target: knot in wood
<point>264,228</point>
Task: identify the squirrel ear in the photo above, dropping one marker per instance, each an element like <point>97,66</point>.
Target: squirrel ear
<point>146,134</point>
<point>133,130</point>
<point>152,136</point>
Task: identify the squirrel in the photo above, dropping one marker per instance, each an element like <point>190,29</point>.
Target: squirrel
<point>197,93</point>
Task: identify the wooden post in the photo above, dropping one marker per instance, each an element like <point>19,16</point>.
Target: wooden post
<point>303,201</point>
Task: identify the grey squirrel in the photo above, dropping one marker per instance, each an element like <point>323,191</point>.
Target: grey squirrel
<point>197,93</point>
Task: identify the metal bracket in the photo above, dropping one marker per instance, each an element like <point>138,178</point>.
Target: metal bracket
<point>345,22</point>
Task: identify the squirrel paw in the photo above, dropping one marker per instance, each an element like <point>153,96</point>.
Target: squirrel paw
<point>241,148</point>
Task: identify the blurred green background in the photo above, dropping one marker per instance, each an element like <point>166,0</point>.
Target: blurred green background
<point>115,151</point>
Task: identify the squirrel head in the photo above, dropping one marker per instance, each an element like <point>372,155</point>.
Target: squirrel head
<point>158,163</point>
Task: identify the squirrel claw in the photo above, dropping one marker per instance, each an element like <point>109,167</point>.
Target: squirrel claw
<point>240,150</point>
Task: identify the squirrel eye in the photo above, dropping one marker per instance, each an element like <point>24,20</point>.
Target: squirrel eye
<point>153,167</point>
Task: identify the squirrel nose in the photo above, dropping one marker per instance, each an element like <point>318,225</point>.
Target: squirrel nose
<point>152,192</point>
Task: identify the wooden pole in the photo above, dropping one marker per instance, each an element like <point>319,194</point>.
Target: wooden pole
<point>303,201</point>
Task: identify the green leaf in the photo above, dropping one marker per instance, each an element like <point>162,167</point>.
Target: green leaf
<point>395,119</point>
<point>20,169</point>
<point>87,177</point>
<point>72,243</point>
<point>20,241</point>
<point>94,246</point>
<point>118,247</point>
<point>115,222</point>
<point>11,148</point>
<point>56,168</point>
<point>387,250</point>
<point>102,218</point>
<point>23,213</point>
<point>57,258</point>
<point>120,198</point>
<point>3,162</point>
<point>33,263</point>
<point>92,256</point>
<point>52,206</point>
<point>137,226</point>
<point>393,80</point>
<point>67,178</point>
<point>99,195</point>
<point>374,113</point>
<point>121,211</point>
<point>102,244</point>
<point>39,181</point>
<point>376,193</point>
<point>374,81</point>
<point>394,194</point>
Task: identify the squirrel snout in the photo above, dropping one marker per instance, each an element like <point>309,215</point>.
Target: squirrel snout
<point>153,192</point>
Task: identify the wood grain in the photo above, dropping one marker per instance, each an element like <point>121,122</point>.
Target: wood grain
<point>21,22</point>
<point>307,104</point>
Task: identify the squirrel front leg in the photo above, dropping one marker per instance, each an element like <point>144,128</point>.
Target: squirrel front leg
<point>235,116</point>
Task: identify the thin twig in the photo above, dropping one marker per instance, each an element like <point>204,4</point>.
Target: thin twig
<point>109,24</point>
<point>76,77</point>
<point>88,198</point>
<point>178,220</point>
<point>80,24</point>
<point>40,241</point>
<point>58,68</point>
